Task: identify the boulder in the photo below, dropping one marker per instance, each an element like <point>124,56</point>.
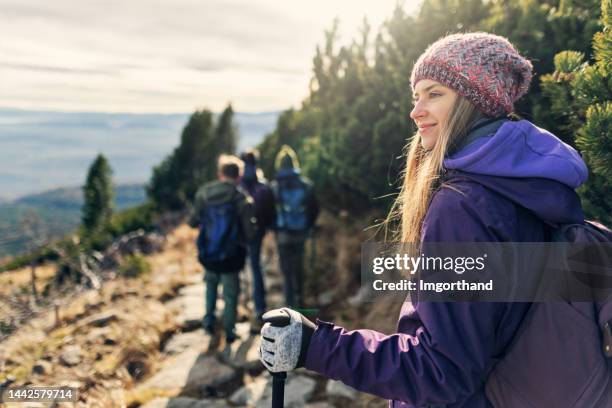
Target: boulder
<point>191,371</point>
<point>338,389</point>
<point>184,341</point>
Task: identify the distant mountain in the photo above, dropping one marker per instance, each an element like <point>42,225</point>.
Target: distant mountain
<point>45,150</point>
<point>59,211</point>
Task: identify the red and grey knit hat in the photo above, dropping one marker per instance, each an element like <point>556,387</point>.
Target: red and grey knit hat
<point>484,68</point>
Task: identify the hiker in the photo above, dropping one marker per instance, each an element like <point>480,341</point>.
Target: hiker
<point>263,199</point>
<point>296,212</point>
<point>473,174</point>
<point>225,216</point>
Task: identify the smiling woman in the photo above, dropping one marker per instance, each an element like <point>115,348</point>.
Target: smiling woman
<point>431,110</point>
<point>473,174</point>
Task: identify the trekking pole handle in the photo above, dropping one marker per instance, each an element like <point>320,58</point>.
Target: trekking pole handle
<point>278,318</point>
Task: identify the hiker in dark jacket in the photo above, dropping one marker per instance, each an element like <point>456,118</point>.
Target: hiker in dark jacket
<point>226,219</point>
<point>472,175</point>
<point>263,199</point>
<point>296,212</point>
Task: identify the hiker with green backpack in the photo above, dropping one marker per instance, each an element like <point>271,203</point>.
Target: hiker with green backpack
<point>225,215</point>
<point>296,212</point>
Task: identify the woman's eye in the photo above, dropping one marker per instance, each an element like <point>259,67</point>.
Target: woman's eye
<point>434,94</point>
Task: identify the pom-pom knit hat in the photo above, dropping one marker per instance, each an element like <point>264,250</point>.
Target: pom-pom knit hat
<point>484,68</point>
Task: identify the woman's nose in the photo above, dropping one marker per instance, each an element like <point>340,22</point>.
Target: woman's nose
<point>418,111</point>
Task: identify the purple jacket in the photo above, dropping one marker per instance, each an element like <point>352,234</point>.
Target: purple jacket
<point>516,180</point>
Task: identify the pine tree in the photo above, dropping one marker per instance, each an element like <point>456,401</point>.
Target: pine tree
<point>98,196</point>
<point>226,134</point>
<point>175,181</point>
<point>581,98</point>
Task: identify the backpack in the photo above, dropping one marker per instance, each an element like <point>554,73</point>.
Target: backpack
<point>291,194</point>
<point>263,198</point>
<point>558,343</point>
<point>219,241</point>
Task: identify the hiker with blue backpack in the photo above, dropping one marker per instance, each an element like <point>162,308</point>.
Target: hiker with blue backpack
<point>473,174</point>
<point>296,212</point>
<point>225,216</point>
<point>263,200</point>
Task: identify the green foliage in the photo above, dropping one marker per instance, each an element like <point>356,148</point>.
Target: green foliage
<point>580,96</point>
<point>175,181</point>
<point>98,196</point>
<point>132,219</point>
<point>26,259</point>
<point>134,265</point>
<point>226,135</point>
<point>351,130</point>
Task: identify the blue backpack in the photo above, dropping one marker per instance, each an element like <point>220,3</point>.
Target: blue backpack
<point>219,238</point>
<point>291,194</point>
<point>561,354</point>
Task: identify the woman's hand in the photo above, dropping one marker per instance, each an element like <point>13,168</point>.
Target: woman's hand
<point>285,337</point>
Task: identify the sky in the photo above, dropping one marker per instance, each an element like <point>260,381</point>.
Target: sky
<point>169,55</point>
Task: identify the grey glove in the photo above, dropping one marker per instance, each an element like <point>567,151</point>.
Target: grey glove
<point>285,338</point>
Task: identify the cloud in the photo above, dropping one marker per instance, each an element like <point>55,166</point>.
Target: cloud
<point>167,56</point>
<point>60,70</point>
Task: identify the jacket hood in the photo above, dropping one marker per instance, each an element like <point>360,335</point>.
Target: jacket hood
<point>219,191</point>
<point>527,165</point>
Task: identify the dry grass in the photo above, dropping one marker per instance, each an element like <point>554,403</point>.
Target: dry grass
<point>21,278</point>
<point>116,356</point>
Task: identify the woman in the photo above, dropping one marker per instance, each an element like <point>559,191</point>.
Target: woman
<point>472,175</point>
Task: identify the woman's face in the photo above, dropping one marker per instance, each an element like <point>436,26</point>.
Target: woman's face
<point>433,103</point>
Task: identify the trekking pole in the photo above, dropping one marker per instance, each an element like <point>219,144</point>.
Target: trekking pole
<point>278,318</point>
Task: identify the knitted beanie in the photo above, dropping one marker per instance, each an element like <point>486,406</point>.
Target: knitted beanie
<point>484,68</point>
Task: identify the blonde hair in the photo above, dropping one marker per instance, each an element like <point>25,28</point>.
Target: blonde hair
<point>422,173</point>
<point>230,166</point>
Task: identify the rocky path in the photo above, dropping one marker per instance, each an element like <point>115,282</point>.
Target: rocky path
<point>138,342</point>
<point>197,372</point>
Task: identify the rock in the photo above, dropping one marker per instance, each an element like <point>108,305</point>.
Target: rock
<point>338,389</point>
<point>99,335</point>
<point>298,389</point>
<point>183,341</point>
<point>8,380</point>
<point>250,393</point>
<point>191,370</point>
<point>325,298</point>
<point>41,367</point>
<point>188,307</point>
<point>196,290</point>
<point>244,353</point>
<point>274,283</point>
<point>182,402</point>
<point>275,299</point>
<point>364,293</point>
<point>320,404</point>
<point>243,330</point>
<point>71,356</point>
<point>100,319</point>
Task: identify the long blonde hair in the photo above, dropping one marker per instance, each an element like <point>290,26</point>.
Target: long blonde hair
<point>422,173</point>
